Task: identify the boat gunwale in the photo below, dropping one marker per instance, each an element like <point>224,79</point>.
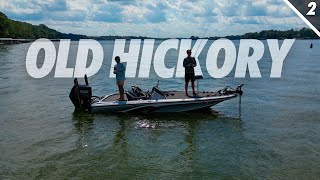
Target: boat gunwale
<point>101,103</point>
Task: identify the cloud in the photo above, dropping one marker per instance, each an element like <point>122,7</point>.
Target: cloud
<point>157,13</point>
<point>154,18</point>
<point>57,5</point>
<point>106,12</point>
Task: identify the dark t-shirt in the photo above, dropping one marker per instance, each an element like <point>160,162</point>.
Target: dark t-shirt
<point>186,64</point>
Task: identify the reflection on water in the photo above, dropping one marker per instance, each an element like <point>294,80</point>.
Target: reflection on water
<point>83,123</point>
<point>140,144</point>
<point>121,133</point>
<point>189,139</point>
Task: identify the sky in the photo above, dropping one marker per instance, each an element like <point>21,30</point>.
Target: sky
<point>155,18</point>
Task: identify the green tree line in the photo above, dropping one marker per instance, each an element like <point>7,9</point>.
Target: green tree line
<point>22,30</point>
<point>304,33</point>
<point>289,34</point>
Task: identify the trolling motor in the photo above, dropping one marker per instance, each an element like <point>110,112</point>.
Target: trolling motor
<point>239,89</point>
<point>80,95</point>
<point>240,92</point>
<point>228,90</point>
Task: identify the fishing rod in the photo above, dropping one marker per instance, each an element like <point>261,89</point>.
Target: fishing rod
<point>207,28</point>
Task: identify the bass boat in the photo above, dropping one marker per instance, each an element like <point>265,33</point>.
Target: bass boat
<point>156,100</point>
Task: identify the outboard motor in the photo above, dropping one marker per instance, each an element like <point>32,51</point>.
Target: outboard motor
<point>80,95</point>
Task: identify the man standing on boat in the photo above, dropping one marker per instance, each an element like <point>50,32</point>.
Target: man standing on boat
<point>189,63</point>
<point>119,70</point>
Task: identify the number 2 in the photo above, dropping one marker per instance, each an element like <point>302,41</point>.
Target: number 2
<point>313,6</point>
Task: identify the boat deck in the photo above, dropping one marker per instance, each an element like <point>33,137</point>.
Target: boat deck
<point>171,95</point>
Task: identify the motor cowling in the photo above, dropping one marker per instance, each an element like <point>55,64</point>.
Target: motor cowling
<point>80,95</point>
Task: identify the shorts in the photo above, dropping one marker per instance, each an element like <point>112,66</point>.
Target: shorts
<point>188,77</point>
<point>120,83</point>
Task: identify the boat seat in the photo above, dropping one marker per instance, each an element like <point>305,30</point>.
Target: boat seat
<point>198,77</point>
<point>138,91</point>
<point>131,96</point>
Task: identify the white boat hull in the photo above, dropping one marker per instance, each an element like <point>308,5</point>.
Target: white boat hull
<point>163,105</point>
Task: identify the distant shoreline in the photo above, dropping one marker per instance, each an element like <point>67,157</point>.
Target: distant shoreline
<point>11,41</point>
<point>15,32</point>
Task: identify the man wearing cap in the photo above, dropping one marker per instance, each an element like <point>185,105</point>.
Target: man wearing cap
<point>189,63</point>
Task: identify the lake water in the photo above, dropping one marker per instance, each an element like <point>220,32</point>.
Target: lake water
<point>276,137</point>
